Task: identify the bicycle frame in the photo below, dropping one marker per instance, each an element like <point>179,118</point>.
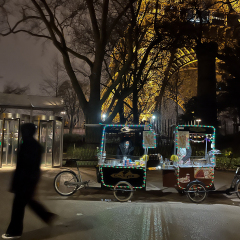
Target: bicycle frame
<point>80,183</point>
<point>235,178</point>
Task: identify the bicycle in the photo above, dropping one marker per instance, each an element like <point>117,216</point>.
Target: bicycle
<point>235,185</point>
<point>67,182</point>
<point>197,192</point>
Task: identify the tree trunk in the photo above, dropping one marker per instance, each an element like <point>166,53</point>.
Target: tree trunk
<point>93,110</point>
<point>121,114</point>
<point>165,81</point>
<point>206,90</point>
<point>135,107</point>
<point>71,125</point>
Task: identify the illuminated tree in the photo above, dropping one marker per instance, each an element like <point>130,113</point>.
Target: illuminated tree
<point>86,32</point>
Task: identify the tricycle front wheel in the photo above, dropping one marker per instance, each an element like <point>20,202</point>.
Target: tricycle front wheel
<point>237,188</point>
<point>65,183</point>
<point>123,191</point>
<point>196,191</point>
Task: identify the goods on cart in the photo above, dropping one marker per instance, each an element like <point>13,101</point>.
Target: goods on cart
<point>123,158</point>
<point>194,161</point>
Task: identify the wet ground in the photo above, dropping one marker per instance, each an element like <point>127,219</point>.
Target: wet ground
<point>158,213</point>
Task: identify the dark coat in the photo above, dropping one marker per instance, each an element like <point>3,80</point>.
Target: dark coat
<point>122,151</point>
<point>27,173</point>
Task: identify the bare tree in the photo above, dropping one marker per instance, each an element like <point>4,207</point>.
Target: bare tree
<point>13,88</point>
<point>71,103</point>
<point>82,31</point>
<point>56,84</point>
<point>52,82</point>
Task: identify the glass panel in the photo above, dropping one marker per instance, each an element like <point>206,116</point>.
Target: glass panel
<point>5,142</point>
<point>49,143</point>
<point>1,123</point>
<point>43,134</point>
<point>57,144</point>
<point>10,142</point>
<point>15,140</point>
<point>37,131</point>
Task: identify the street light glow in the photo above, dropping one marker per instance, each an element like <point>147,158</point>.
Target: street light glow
<point>198,120</point>
<point>104,116</point>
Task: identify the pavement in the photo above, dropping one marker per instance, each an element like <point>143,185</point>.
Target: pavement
<point>158,213</point>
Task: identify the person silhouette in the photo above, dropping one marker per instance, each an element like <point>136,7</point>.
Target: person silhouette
<point>125,148</point>
<point>24,182</point>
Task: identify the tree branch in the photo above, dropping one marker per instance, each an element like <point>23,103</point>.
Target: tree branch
<point>104,21</point>
<point>93,18</point>
<point>86,59</point>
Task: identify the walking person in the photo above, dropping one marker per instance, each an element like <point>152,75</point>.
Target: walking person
<point>24,182</point>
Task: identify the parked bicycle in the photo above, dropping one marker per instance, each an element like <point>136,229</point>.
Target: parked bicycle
<point>235,185</point>
<point>68,182</point>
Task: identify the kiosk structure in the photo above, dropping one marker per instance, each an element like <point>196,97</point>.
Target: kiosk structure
<point>49,132</point>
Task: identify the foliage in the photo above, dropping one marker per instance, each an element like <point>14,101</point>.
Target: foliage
<point>225,163</point>
<point>229,144</point>
<point>82,153</point>
<point>69,140</point>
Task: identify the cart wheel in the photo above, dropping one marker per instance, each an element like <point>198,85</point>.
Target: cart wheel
<point>196,191</point>
<point>123,191</point>
<point>237,188</point>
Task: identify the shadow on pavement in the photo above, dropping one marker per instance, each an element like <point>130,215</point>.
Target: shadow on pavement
<point>65,228</point>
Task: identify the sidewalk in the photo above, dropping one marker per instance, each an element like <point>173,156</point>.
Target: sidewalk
<point>86,215</point>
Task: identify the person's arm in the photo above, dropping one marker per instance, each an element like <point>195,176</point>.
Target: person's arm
<point>131,150</point>
<point>119,153</point>
<point>188,154</point>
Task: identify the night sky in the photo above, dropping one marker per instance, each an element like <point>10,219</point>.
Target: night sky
<point>24,60</point>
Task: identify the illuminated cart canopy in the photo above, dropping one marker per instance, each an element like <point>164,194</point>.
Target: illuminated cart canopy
<point>197,139</point>
<point>124,170</point>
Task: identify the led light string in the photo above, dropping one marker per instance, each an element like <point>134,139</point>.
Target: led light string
<point>200,126</point>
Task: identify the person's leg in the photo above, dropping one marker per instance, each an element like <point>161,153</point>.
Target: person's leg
<point>41,211</point>
<point>15,227</point>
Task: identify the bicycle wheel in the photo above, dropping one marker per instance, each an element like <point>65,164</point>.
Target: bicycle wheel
<point>234,181</point>
<point>237,188</point>
<point>123,191</point>
<point>64,183</point>
<point>196,192</point>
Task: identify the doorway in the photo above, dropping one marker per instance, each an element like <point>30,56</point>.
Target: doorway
<point>46,140</point>
<point>9,131</point>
